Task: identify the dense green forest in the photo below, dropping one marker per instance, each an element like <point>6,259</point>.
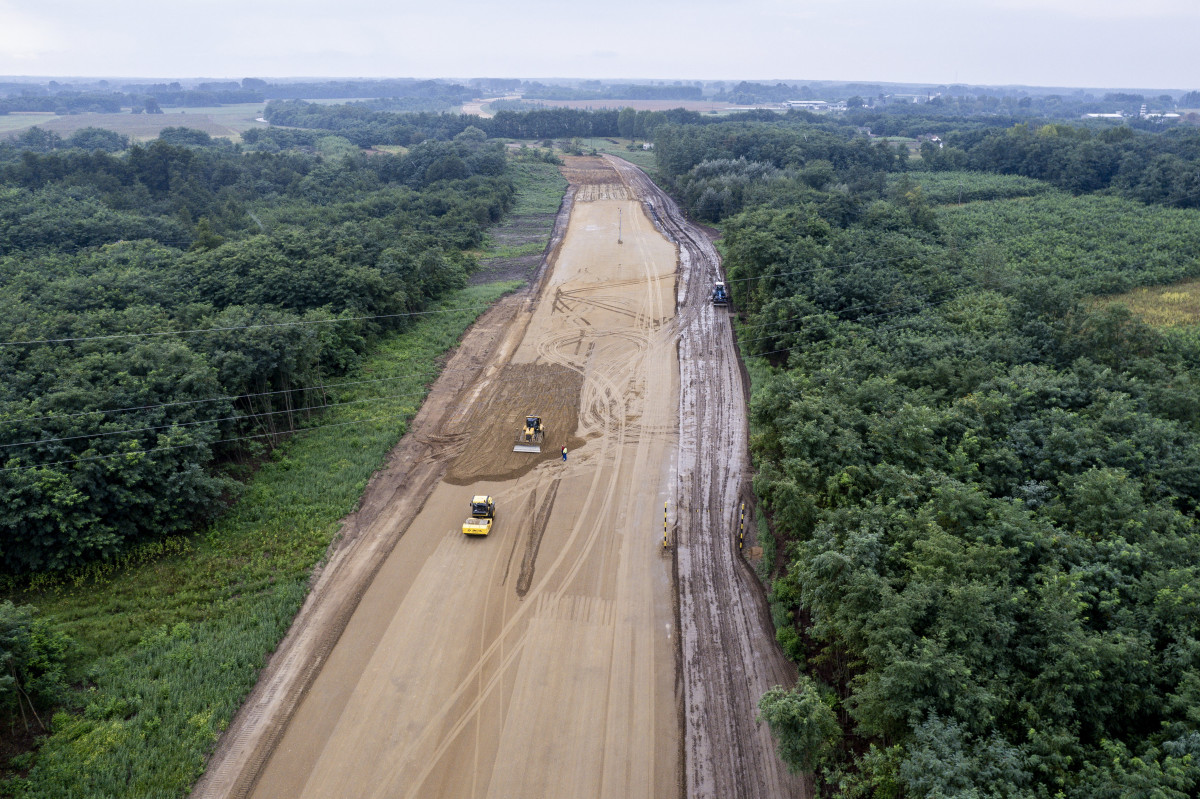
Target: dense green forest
<point>168,310</point>
<point>981,490</point>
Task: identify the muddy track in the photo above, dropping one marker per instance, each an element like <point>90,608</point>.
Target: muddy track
<point>729,653</point>
<point>534,541</point>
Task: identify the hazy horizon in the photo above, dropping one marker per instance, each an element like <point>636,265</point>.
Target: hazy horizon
<point>1036,43</point>
<point>463,79</point>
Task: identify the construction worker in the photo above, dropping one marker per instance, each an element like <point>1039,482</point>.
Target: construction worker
<point>564,454</point>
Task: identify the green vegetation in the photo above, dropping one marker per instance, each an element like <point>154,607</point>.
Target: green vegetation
<point>280,270</point>
<point>540,187</point>
<point>1101,245</point>
<point>1153,168</point>
<point>32,663</point>
<point>984,486</point>
<point>171,643</point>
<point>628,149</point>
<point>228,121</point>
<point>964,187</point>
<point>366,126</point>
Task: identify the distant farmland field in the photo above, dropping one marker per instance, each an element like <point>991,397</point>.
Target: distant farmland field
<point>225,120</point>
<point>21,120</point>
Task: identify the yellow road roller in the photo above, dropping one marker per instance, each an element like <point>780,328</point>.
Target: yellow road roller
<point>483,513</point>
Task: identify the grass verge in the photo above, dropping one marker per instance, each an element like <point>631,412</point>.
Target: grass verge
<point>170,641</point>
<point>540,188</point>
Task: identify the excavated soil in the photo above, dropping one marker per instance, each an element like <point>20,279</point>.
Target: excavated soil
<point>551,392</point>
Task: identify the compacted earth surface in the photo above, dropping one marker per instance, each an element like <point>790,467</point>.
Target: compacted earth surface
<point>569,652</point>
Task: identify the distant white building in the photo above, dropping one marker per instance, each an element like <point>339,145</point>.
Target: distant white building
<point>1104,116</point>
<point>809,105</point>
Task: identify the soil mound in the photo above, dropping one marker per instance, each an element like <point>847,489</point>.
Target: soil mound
<point>549,391</point>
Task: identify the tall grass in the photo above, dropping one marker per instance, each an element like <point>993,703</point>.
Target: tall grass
<point>1176,305</point>
<point>638,157</point>
<point>540,188</point>
<point>942,188</point>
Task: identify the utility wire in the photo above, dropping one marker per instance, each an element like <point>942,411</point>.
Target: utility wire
<point>197,444</point>
<point>345,424</point>
<point>303,409</point>
<point>824,268</point>
<point>236,327</point>
<point>880,315</point>
<point>293,432</point>
<point>308,408</point>
<point>870,330</point>
<point>431,373</point>
<point>234,398</point>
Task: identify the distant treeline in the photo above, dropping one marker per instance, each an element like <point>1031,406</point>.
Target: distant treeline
<point>1154,168</point>
<point>1159,165</point>
<point>366,127</point>
<point>402,95</point>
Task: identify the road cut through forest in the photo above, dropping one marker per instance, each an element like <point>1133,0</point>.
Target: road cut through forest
<point>567,653</point>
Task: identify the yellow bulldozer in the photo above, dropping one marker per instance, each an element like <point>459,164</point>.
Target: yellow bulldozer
<point>483,513</point>
<point>531,436</point>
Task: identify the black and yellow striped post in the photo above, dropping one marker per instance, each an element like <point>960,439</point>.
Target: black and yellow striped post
<point>664,525</point>
<point>742,526</point>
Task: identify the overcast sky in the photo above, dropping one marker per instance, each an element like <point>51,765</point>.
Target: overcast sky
<point>1088,43</point>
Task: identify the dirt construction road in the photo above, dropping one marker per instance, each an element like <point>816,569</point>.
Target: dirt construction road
<point>566,653</point>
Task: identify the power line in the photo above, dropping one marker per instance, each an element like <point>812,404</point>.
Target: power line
<point>236,327</point>
<point>880,315</point>
<point>235,398</point>
<point>304,409</point>
<point>355,422</point>
<point>307,408</point>
<point>337,386</point>
<point>121,336</point>
<point>293,432</point>
<point>195,444</point>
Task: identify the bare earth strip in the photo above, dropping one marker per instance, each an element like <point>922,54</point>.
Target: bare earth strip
<point>540,660</point>
<point>551,657</point>
<point>730,657</point>
<point>397,493</point>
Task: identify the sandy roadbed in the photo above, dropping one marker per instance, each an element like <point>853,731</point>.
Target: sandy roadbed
<point>565,654</point>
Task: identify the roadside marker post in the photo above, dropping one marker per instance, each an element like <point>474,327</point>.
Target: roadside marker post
<point>664,525</point>
<point>742,526</point>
